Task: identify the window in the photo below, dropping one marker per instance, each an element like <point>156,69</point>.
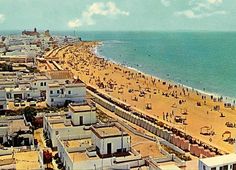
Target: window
<point>51,92</point>
<point>234,166</point>
<point>52,100</point>
<point>41,84</point>
<point>224,167</point>
<point>45,83</point>
<point>57,132</point>
<point>58,91</point>
<point>69,92</point>
<point>213,168</point>
<point>28,95</point>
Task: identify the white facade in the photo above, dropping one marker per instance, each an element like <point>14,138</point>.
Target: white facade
<point>218,163</point>
<point>3,132</point>
<point>57,94</point>
<point>82,114</point>
<point>60,126</point>
<point>22,93</point>
<point>3,101</point>
<point>12,124</point>
<point>90,160</point>
<point>110,140</point>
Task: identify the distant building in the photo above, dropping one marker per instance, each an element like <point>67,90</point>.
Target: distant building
<point>21,93</point>
<point>58,94</point>
<point>223,162</point>
<point>41,81</point>
<point>17,59</point>
<point>31,33</point>
<point>47,33</point>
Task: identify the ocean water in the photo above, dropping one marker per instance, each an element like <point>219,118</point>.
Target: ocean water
<point>202,60</point>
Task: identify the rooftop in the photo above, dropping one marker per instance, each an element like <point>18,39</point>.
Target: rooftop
<point>77,142</point>
<point>58,125</point>
<point>81,156</point>
<point>75,85</point>
<point>81,108</point>
<point>17,125</point>
<point>27,160</point>
<point>219,160</point>
<point>169,167</point>
<point>108,131</point>
<point>41,77</point>
<point>57,117</point>
<point>64,74</point>
<point>65,85</point>
<point>53,85</point>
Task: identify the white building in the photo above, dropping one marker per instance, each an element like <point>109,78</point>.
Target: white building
<point>9,128</point>
<point>82,114</point>
<point>58,94</point>
<point>41,81</point>
<point>224,162</point>
<point>3,101</point>
<point>21,93</point>
<point>58,124</point>
<point>3,132</point>
<point>81,153</point>
<point>110,140</point>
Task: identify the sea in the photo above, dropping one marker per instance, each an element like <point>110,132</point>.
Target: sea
<point>205,61</point>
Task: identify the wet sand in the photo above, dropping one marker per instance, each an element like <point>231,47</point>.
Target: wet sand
<point>153,96</point>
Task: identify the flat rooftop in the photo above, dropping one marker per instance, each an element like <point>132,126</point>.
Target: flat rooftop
<point>17,125</point>
<point>169,167</point>
<point>62,74</point>
<point>58,117</point>
<point>81,108</point>
<point>41,77</point>
<point>75,85</point>
<point>219,160</point>
<point>108,131</point>
<point>25,160</point>
<point>54,85</point>
<point>77,142</point>
<point>81,156</point>
<point>59,125</point>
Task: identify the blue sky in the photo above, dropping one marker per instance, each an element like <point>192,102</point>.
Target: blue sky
<point>114,15</point>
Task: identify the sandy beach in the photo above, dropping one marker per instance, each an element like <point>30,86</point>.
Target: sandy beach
<point>171,103</point>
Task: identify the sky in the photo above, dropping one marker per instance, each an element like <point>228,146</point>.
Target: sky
<point>118,15</point>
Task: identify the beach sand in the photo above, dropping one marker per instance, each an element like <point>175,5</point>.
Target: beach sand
<point>165,101</point>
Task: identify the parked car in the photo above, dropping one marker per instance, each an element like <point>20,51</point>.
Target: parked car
<point>22,103</point>
<point>29,99</point>
<point>32,103</point>
<point>16,104</point>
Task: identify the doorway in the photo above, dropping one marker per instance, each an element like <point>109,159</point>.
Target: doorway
<point>81,120</point>
<point>109,148</point>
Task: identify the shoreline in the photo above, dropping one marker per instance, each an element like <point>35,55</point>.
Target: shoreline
<point>166,100</point>
<point>226,99</point>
